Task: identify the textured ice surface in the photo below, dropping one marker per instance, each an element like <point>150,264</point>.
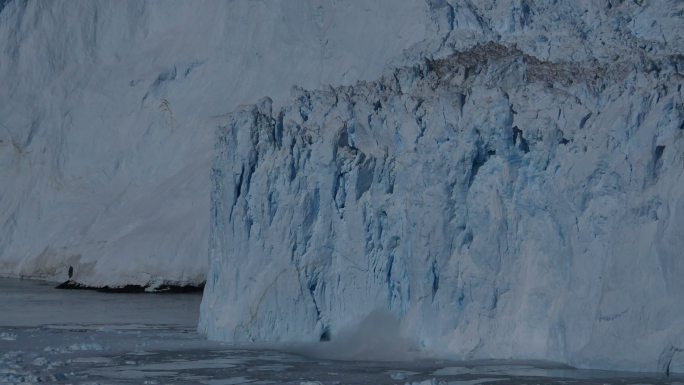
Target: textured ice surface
<point>107,111</point>
<point>520,195</point>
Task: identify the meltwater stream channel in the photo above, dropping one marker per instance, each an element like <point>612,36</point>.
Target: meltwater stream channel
<point>87,337</point>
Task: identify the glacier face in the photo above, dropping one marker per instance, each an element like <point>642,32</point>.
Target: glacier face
<point>107,111</point>
<point>517,194</point>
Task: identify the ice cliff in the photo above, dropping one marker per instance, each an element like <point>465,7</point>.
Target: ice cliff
<point>107,111</point>
<point>512,188</point>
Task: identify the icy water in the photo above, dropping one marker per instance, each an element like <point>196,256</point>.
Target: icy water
<point>85,337</point>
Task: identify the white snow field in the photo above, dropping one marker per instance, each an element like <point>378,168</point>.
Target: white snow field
<point>108,108</point>
<point>513,189</point>
<point>115,339</point>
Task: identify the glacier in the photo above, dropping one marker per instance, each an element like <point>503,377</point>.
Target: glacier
<point>107,111</point>
<point>511,187</point>
<point>501,178</point>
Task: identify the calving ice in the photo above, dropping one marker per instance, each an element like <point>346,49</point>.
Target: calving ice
<point>504,197</point>
<point>475,179</point>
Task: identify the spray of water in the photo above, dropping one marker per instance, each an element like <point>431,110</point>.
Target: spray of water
<point>378,338</point>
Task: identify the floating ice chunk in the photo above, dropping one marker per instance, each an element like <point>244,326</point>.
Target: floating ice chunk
<point>401,375</point>
<point>6,336</point>
<point>86,347</point>
<point>40,361</point>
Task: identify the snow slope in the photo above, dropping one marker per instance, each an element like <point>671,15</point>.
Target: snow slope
<point>518,194</point>
<point>107,111</point>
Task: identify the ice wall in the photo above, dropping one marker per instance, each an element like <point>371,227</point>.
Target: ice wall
<point>519,194</point>
<point>107,111</point>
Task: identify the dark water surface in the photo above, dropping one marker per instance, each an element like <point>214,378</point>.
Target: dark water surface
<point>85,337</point>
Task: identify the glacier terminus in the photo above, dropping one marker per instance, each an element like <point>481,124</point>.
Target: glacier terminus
<point>408,180</point>
<point>499,201</point>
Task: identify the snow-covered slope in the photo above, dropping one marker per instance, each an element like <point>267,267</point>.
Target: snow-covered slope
<point>519,195</point>
<point>107,111</point>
